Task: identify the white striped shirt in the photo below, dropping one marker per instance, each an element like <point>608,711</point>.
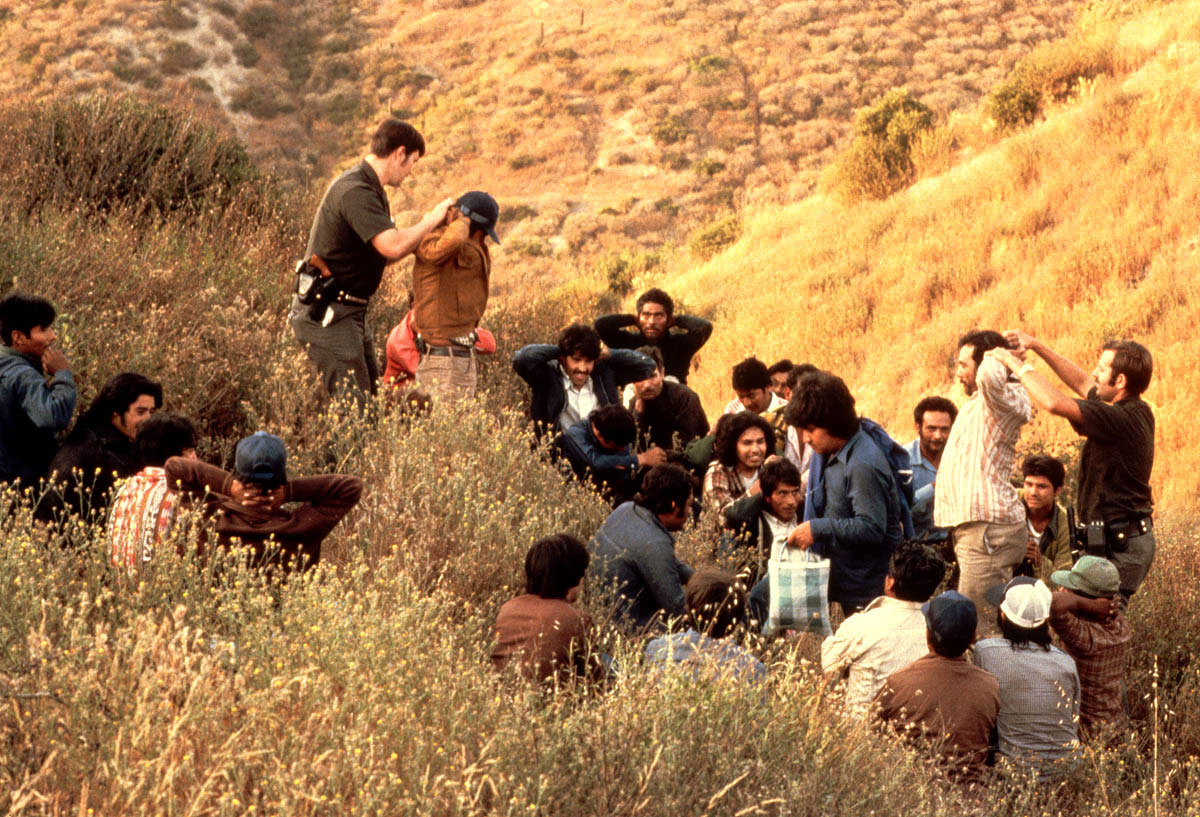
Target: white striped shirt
<point>974,477</point>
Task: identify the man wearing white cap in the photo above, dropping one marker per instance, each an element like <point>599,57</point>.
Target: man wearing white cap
<point>1039,685</point>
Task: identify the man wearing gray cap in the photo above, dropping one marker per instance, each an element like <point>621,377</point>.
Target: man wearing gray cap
<point>246,506</point>
<point>940,701</point>
<point>1087,614</point>
<point>450,292</point>
<point>1039,686</point>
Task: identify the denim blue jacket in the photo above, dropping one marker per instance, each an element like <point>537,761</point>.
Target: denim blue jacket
<point>860,523</point>
<point>923,476</point>
<point>633,555</point>
<point>32,412</point>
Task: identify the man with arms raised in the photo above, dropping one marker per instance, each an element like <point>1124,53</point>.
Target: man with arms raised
<point>352,239</point>
<point>933,417</point>
<point>973,494</point>
<point>678,337</point>
<point>1114,468</point>
<point>570,379</point>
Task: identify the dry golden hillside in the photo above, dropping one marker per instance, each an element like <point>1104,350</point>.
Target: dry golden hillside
<point>600,127</point>
<point>1085,226</point>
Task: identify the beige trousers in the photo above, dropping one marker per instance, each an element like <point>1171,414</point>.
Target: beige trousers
<point>447,379</point>
<point>987,553</point>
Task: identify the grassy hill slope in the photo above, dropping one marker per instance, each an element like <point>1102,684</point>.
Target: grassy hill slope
<point>599,127</point>
<point>1083,227</point>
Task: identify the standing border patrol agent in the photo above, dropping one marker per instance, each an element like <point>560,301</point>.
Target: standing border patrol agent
<point>1115,502</point>
<point>352,239</point>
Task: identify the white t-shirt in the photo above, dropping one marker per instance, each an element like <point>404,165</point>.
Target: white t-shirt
<point>735,406</point>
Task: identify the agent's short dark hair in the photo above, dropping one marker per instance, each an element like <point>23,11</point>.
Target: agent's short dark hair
<point>1133,360</point>
<point>654,354</point>
<point>715,601</point>
<point>798,371</point>
<point>554,565</point>
<point>934,404</point>
<point>822,400</point>
<point>665,487</point>
<point>731,427</point>
<point>1020,636</point>
<point>916,570</point>
<point>751,374</point>
<point>164,435</point>
<point>780,367</point>
<point>654,295</point>
<point>117,395</point>
<point>615,424</point>
<point>23,313</point>
<point>1041,465</point>
<point>395,133</point>
<point>980,341</point>
<point>579,340</point>
<point>778,472</point>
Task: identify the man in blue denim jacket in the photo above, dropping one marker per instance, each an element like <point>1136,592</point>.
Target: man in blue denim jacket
<point>32,411</point>
<point>860,521</point>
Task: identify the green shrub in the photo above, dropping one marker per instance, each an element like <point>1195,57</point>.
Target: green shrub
<point>618,269</point>
<point>879,160</point>
<point>523,160</point>
<point>1050,73</point>
<point>246,54</point>
<point>708,167</point>
<point>671,130</point>
<point>173,17</point>
<point>105,153</point>
<point>517,212</point>
<point>259,20</point>
<point>1014,104</point>
<point>708,241</point>
<point>179,56</point>
<point>261,100</point>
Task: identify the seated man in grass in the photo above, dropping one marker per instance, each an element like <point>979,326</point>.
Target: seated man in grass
<point>633,552</point>
<point>144,507</point>
<point>599,448</point>
<point>1049,547</point>
<point>1039,686</point>
<point>716,609</point>
<point>1087,614</point>
<point>669,415</point>
<point>542,632</point>
<point>246,506</point>
<point>940,702</point>
<point>890,633</point>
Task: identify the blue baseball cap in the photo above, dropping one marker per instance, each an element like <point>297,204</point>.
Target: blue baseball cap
<point>482,210</point>
<point>261,459</point>
<point>952,620</point>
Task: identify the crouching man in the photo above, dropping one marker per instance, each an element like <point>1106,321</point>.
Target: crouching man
<point>246,506</point>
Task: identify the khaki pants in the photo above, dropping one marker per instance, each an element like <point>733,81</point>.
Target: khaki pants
<point>448,379</point>
<point>987,553</point>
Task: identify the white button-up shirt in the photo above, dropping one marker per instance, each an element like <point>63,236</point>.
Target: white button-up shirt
<point>580,403</point>
<point>886,636</point>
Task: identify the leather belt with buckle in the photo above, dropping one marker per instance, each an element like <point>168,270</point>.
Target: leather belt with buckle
<point>447,351</point>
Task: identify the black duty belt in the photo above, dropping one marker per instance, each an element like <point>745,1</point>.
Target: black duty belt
<point>447,351</point>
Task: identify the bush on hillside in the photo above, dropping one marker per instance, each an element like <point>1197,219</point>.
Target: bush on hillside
<point>1049,74</point>
<point>710,240</point>
<point>106,153</point>
<point>879,160</point>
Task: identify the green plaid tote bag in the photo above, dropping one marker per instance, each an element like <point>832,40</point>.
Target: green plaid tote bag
<point>799,594</point>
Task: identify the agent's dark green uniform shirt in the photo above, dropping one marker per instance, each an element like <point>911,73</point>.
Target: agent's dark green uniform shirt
<point>354,210</point>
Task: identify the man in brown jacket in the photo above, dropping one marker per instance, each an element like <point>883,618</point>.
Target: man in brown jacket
<point>450,292</point>
<point>246,506</point>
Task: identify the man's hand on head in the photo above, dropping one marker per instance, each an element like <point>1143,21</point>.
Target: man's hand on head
<point>253,496</point>
<point>438,213</point>
<point>1006,357</point>
<point>1019,341</point>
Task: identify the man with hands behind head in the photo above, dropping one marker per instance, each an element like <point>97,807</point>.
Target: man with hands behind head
<point>1118,455</point>
<point>678,337</point>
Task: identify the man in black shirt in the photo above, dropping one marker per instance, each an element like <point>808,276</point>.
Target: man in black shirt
<point>669,415</point>
<point>352,239</point>
<point>678,337</point>
<point>1114,468</point>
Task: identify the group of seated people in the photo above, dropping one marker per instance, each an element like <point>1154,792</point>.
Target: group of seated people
<point>791,466</point>
<point>133,468</point>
